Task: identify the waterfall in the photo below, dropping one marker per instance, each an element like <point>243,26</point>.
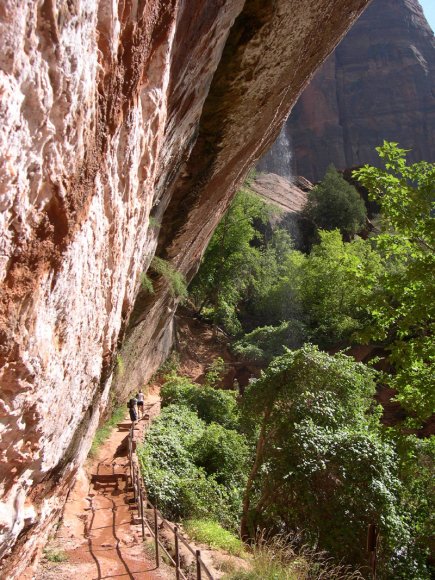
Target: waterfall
<point>279,157</point>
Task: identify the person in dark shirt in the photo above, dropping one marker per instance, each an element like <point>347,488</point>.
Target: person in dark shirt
<point>132,407</point>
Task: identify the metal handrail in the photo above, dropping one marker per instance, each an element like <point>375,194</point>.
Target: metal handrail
<point>138,487</point>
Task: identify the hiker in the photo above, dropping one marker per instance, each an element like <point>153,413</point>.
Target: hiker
<point>132,407</point>
<point>140,400</point>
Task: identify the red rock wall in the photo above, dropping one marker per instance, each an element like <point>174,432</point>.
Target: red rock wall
<point>113,112</point>
<point>379,84</point>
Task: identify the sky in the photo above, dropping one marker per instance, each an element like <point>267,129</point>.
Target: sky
<point>429,11</point>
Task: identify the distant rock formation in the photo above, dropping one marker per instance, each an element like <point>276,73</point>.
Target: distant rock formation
<point>378,84</point>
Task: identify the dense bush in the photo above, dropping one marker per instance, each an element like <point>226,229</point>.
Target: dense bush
<point>191,468</point>
<point>222,453</point>
<point>335,204</point>
<point>210,404</point>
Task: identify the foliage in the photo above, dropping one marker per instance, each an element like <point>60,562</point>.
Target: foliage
<point>175,280</point>
<point>321,463</point>
<point>168,368</point>
<point>222,453</point>
<point>146,283</point>
<point>283,558</point>
<point>214,373</point>
<point>104,432</point>
<point>266,342</point>
<point>333,288</point>
<point>210,404</point>
<point>335,204</point>
<point>153,222</point>
<point>181,471</point>
<point>120,366</point>
<point>416,461</point>
<point>230,261</point>
<point>403,305</point>
<point>55,555</point>
<point>325,293</point>
<point>166,460</point>
<point>211,533</point>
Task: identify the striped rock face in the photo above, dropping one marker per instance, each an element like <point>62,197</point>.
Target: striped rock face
<point>113,112</point>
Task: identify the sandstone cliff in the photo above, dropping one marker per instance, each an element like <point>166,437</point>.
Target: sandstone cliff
<point>378,84</point>
<point>113,113</point>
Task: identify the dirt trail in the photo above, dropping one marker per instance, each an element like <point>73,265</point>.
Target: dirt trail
<point>98,534</point>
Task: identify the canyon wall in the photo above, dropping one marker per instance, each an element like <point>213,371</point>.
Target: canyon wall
<point>378,84</point>
<point>126,127</point>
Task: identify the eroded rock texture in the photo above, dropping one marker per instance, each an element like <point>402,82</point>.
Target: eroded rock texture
<point>289,196</point>
<point>113,113</point>
<point>378,84</point>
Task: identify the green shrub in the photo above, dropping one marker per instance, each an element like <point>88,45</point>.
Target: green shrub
<point>211,533</point>
<point>214,373</point>
<point>55,555</point>
<point>166,459</point>
<point>222,453</point>
<point>176,281</point>
<point>171,460</point>
<point>146,283</point>
<point>212,405</point>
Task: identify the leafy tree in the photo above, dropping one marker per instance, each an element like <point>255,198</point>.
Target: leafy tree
<point>335,204</point>
<point>403,304</point>
<point>326,292</point>
<point>416,461</point>
<point>334,287</point>
<point>321,465</point>
<point>230,261</point>
<point>223,453</point>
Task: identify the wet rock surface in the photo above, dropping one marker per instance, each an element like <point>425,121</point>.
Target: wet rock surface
<point>112,114</point>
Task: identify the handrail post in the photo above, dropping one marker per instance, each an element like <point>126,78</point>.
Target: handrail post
<point>133,479</point>
<point>129,453</point>
<point>198,565</point>
<point>177,554</point>
<point>156,537</point>
<point>141,512</point>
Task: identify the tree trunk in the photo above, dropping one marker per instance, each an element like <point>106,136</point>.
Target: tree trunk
<point>245,532</point>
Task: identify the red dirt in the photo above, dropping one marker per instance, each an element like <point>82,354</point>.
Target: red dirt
<point>199,344</point>
<point>98,534</point>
